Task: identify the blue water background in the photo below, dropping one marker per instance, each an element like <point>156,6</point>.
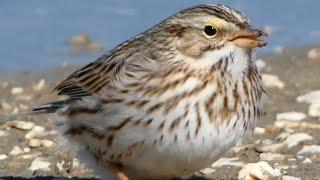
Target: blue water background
<point>33,32</point>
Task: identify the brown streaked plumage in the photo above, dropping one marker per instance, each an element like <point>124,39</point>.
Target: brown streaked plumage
<point>171,100</point>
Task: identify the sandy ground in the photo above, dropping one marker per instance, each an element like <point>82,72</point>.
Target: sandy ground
<point>299,74</point>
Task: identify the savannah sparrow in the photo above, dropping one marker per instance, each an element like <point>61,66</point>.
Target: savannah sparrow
<point>171,100</point>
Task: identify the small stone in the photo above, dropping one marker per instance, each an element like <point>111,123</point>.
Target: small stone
<point>306,161</point>
<point>290,178</point>
<point>260,170</point>
<point>75,162</point>
<point>59,165</point>
<point>95,47</point>
<point>282,136</point>
<point>292,159</point>
<point>272,81</point>
<point>47,143</point>
<point>228,162</point>
<point>23,125</point>
<point>5,106</point>
<point>26,150</point>
<point>267,141</point>
<point>23,107</point>
<point>237,149</point>
<point>39,164</point>
<point>314,53</point>
<point>3,157</point>
<point>312,97</point>
<point>24,98</point>
<point>34,143</point>
<point>314,110</point>
<point>270,148</point>
<point>16,151</point>
<point>26,156</point>
<point>41,84</point>
<point>259,130</point>
<point>36,131</point>
<point>16,90</point>
<point>279,49</point>
<point>80,40</point>
<point>270,29</point>
<point>295,139</point>
<point>271,157</point>
<point>291,116</point>
<point>312,149</point>
<point>260,64</point>
<point>208,171</point>
<point>3,133</point>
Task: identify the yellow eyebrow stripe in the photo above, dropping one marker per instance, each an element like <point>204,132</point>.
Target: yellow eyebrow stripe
<point>214,22</point>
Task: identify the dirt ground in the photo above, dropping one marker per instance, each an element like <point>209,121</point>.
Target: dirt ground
<point>299,74</point>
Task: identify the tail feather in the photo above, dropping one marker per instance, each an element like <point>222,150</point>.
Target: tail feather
<point>41,109</point>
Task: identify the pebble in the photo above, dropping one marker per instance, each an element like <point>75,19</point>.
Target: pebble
<point>269,148</point>
<point>228,162</point>
<point>5,106</point>
<point>24,98</point>
<point>314,53</point>
<point>3,133</point>
<point>271,157</point>
<point>260,64</point>
<point>23,125</point>
<point>283,136</point>
<point>16,90</point>
<point>59,165</point>
<point>237,149</point>
<point>270,29</point>
<point>34,143</point>
<point>290,141</point>
<point>36,131</point>
<point>95,47</point>
<point>40,85</point>
<point>75,162</point>
<point>285,177</point>
<point>312,97</point>
<point>3,157</point>
<point>208,171</point>
<point>272,81</point>
<point>47,143</point>
<point>291,116</point>
<point>27,156</point>
<point>256,171</point>
<point>312,149</point>
<point>259,130</point>
<point>80,40</point>
<point>307,161</point>
<point>16,151</point>
<point>279,49</point>
<point>26,149</point>
<point>23,107</point>
<point>314,110</point>
<point>295,139</point>
<point>39,164</point>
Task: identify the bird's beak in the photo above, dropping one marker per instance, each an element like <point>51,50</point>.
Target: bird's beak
<point>248,38</point>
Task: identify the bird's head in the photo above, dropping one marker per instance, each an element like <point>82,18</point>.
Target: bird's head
<point>212,28</point>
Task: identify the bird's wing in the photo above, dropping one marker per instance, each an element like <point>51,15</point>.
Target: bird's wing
<point>90,79</point>
<point>94,77</point>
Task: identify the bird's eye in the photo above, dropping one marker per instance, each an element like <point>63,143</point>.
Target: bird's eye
<point>210,31</point>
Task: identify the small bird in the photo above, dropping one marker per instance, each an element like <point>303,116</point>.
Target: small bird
<point>171,100</point>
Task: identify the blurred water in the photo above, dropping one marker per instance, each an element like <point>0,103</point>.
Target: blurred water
<point>33,32</point>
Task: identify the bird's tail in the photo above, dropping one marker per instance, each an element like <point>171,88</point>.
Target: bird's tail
<point>41,109</point>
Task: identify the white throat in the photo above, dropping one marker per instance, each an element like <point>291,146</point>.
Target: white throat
<point>241,59</point>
